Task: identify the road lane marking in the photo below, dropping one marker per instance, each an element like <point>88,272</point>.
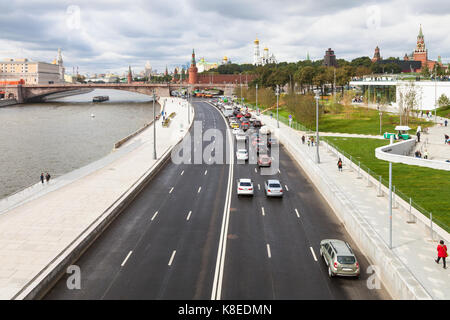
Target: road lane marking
<point>259,187</point>
<point>296,211</point>
<point>206,171</point>
<point>189,215</point>
<point>171,190</point>
<point>182,172</point>
<point>199,189</point>
<point>218,273</point>
<point>262,210</point>
<point>154,216</point>
<point>171,258</point>
<point>279,171</point>
<point>256,170</point>
<point>314,255</point>
<point>287,189</point>
<point>126,258</point>
<point>268,251</point>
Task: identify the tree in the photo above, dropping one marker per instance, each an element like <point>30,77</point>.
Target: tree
<point>443,101</point>
<point>303,107</point>
<point>361,62</point>
<point>408,101</point>
<point>425,71</point>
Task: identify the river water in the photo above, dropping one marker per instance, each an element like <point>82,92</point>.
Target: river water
<point>61,135</point>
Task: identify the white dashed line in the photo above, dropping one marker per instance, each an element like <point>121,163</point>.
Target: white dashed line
<point>259,186</point>
<point>256,170</point>
<point>262,211</point>
<point>314,255</point>
<point>171,258</point>
<point>171,190</point>
<point>296,211</point>
<point>182,172</point>
<point>154,216</point>
<point>125,261</point>
<point>279,171</point>
<point>199,189</point>
<point>206,171</point>
<point>287,189</point>
<point>189,215</point>
<point>268,251</point>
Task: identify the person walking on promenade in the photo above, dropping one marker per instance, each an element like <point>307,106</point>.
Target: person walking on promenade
<point>42,178</point>
<point>445,122</point>
<point>339,164</point>
<point>418,136</point>
<point>446,138</point>
<point>442,253</point>
<point>309,142</point>
<point>303,139</point>
<point>312,141</point>
<point>425,154</point>
<point>47,177</point>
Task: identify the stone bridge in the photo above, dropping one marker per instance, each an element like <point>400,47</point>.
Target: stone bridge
<point>25,93</point>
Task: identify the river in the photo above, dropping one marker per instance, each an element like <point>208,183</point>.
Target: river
<point>61,135</point>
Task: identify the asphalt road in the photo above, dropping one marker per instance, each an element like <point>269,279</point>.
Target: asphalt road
<point>165,244</point>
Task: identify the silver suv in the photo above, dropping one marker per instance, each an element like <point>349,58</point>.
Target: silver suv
<point>339,257</point>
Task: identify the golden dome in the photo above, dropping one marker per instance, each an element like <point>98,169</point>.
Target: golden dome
<point>266,49</point>
<point>256,41</point>
<point>225,58</point>
<point>54,62</point>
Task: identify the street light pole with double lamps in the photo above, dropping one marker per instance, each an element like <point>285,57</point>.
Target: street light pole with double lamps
<point>317,128</point>
<point>154,127</point>
<point>257,110</point>
<point>277,93</point>
<point>381,114</point>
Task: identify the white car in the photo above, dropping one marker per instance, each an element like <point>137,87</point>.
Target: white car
<point>273,188</point>
<point>236,131</point>
<point>242,154</point>
<point>241,137</point>
<point>245,187</point>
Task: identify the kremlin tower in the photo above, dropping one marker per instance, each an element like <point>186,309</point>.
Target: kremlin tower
<point>376,56</point>
<point>193,70</point>
<point>130,75</point>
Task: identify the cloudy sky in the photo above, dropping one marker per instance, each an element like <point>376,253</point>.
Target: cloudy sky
<point>109,35</point>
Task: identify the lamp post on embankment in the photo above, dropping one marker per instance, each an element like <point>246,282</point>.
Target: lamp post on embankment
<point>154,127</point>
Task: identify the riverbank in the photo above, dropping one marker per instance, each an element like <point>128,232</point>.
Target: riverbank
<point>7,102</point>
<point>39,235</point>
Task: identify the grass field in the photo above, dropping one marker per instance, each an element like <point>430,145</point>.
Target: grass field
<point>443,112</point>
<point>427,187</point>
<point>360,120</point>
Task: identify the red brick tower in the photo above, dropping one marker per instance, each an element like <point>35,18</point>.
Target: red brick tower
<point>193,70</point>
<point>421,53</point>
<point>376,56</point>
<point>130,75</point>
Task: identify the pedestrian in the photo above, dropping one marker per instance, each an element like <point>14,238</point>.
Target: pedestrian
<point>425,154</point>
<point>445,122</point>
<point>303,139</point>
<point>309,142</point>
<point>271,115</point>
<point>446,138</point>
<point>312,141</point>
<point>442,253</point>
<point>42,178</point>
<point>339,164</point>
<point>47,177</point>
<point>418,136</point>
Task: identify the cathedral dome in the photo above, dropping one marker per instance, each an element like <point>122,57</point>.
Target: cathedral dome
<point>256,41</point>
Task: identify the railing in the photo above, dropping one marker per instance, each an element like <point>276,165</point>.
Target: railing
<point>410,203</point>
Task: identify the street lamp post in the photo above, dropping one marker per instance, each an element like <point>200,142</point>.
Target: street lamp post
<point>435,97</point>
<point>188,102</point>
<point>257,110</point>
<point>277,93</point>
<point>154,127</point>
<point>390,205</point>
<point>317,129</point>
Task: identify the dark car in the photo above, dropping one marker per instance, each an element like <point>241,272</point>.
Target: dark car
<point>257,124</point>
<point>248,115</point>
<point>245,126</point>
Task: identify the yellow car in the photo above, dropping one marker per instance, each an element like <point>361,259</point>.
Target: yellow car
<point>235,125</point>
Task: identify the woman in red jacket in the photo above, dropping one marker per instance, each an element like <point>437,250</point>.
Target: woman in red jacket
<point>442,252</point>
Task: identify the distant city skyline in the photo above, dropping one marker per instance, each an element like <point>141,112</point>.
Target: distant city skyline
<point>100,36</point>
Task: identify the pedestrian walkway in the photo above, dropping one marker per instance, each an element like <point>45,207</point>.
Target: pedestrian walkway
<point>411,243</point>
<point>38,230</point>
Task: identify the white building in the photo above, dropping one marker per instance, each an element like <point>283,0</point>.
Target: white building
<point>262,59</point>
<point>427,92</point>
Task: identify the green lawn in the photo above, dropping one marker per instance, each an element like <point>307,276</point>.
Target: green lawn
<point>429,188</point>
<point>360,121</point>
<point>443,112</point>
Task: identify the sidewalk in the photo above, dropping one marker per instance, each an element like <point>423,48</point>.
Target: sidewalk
<point>411,244</point>
<point>35,232</point>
